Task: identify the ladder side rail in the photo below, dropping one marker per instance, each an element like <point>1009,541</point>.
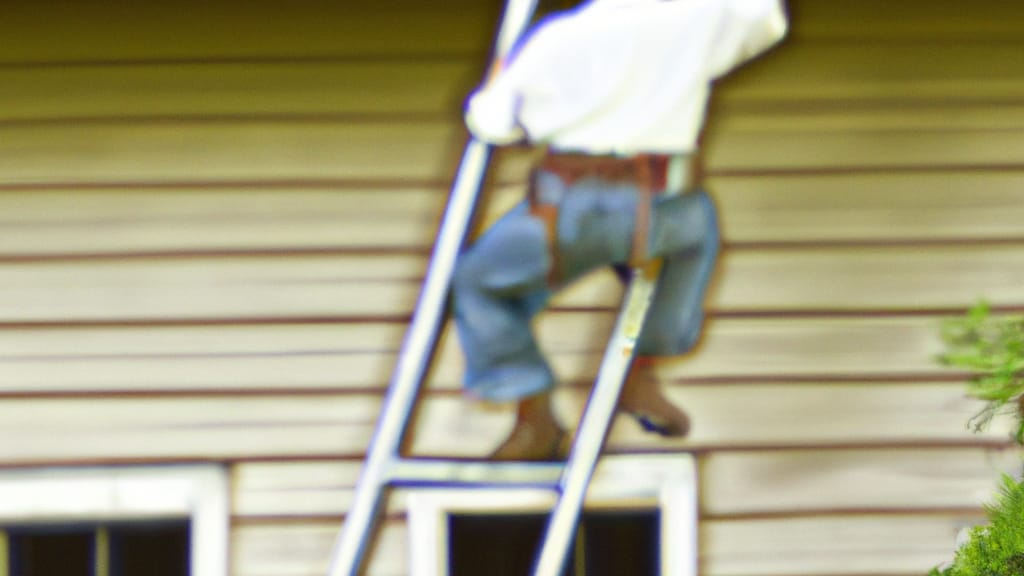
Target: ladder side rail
<point>414,357</point>
<point>594,424</point>
<point>600,410</point>
<point>421,338</point>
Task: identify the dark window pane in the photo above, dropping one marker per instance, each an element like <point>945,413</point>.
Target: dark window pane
<point>614,543</point>
<point>494,545</point>
<point>149,549</point>
<point>622,543</point>
<point>43,551</point>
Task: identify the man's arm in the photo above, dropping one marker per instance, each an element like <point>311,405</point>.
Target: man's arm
<point>492,111</point>
<point>747,28</point>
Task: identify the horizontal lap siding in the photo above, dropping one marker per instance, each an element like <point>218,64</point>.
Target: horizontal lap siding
<point>366,287</point>
<point>41,156</point>
<point>262,355</point>
<point>213,224</point>
<point>735,483</point>
<point>806,211</point>
<point>340,425</point>
<point>888,545</point>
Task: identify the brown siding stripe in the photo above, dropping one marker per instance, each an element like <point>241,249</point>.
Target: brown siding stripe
<point>284,391</point>
<point>214,60</point>
<point>432,119</point>
<point>382,184</point>
<point>807,107</point>
<point>978,512</point>
<point>359,457</point>
<point>387,250</point>
<point>219,254</point>
<point>442,186</point>
<point>869,169</point>
<point>828,244</point>
<point>405,319</point>
<point>797,43</point>
<point>283,118</point>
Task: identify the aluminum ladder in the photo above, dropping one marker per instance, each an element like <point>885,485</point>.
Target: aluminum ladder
<point>384,467</point>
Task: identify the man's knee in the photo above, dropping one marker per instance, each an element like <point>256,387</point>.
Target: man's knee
<point>671,339</point>
<point>687,338</point>
<point>511,260</point>
<point>466,274</point>
<point>685,222</point>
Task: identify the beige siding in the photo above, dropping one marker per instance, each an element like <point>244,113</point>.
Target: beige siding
<point>214,221</point>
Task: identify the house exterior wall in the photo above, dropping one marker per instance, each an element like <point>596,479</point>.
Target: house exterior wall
<point>214,217</point>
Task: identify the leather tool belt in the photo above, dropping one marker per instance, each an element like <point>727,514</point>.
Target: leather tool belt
<point>648,172</point>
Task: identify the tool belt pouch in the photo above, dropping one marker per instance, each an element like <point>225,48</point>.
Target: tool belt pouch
<point>547,212</point>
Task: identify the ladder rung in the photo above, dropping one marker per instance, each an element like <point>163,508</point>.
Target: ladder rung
<point>437,472</point>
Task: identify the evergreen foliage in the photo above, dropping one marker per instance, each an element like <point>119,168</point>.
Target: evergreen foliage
<point>992,349</point>
<point>996,549</point>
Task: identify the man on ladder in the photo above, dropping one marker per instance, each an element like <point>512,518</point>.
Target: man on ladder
<point>615,90</point>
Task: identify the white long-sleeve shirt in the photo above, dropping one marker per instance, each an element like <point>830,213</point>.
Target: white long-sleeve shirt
<point>622,76</point>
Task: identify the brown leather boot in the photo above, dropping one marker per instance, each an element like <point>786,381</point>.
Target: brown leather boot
<point>643,399</point>
<point>537,436</point>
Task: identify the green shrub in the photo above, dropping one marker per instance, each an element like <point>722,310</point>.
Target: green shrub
<point>995,549</point>
<point>992,349</point>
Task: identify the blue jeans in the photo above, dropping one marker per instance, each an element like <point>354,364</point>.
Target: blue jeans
<point>501,281</point>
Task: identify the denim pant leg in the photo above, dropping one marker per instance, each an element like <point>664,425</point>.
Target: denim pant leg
<point>595,226</point>
<point>500,283</point>
<point>686,234</point>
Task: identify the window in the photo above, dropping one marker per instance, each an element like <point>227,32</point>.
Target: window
<point>119,549</point>
<point>169,521</point>
<point>607,543</point>
<point>640,518</point>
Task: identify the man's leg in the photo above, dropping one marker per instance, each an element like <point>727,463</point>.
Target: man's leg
<point>643,399</point>
<point>642,396</point>
<point>504,280</point>
<point>688,237</point>
<point>536,435</point>
<point>499,285</point>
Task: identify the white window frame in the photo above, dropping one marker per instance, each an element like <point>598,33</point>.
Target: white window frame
<point>198,493</point>
<point>667,482</point>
